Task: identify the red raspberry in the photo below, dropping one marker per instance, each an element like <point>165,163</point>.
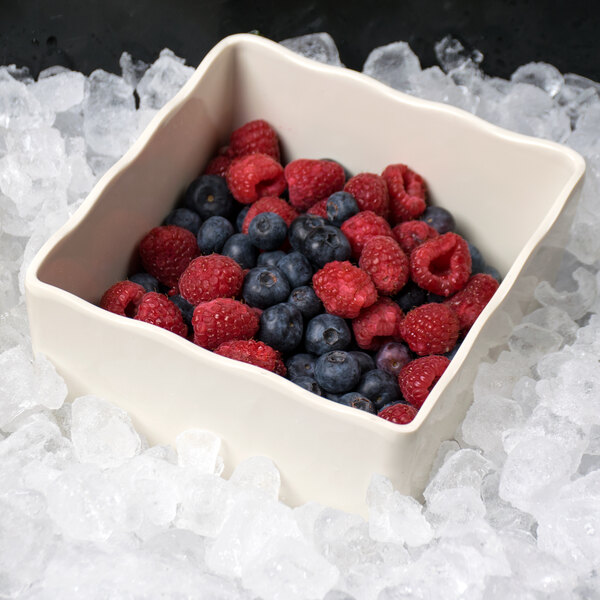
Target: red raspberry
<point>430,329</point>
<point>418,377</point>
<point>123,298</point>
<point>210,277</point>
<point>370,192</point>
<point>398,413</point>
<point>254,176</point>
<point>386,264</point>
<point>312,180</point>
<point>270,204</point>
<point>378,324</point>
<point>254,137</point>
<point>158,310</point>
<point>166,251</point>
<point>344,289</point>
<point>411,234</point>
<point>223,320</point>
<point>363,226</point>
<point>472,299</point>
<point>441,265</point>
<point>319,209</point>
<point>407,192</point>
<point>253,353</point>
<point>218,166</point>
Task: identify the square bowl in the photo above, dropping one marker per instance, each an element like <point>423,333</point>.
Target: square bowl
<point>512,196</point>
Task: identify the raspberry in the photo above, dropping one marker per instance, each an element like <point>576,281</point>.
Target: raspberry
<point>363,226</point>
<point>319,209</point>
<point>210,277</point>
<point>378,324</point>
<point>441,265</point>
<point>254,137</point>
<point>344,289</point>
<point>370,192</point>
<point>253,353</point>
<point>411,234</point>
<point>472,299</point>
<point>218,166</point>
<point>430,329</point>
<point>166,251</point>
<point>123,298</point>
<point>385,262</point>
<point>157,309</point>
<point>418,377</point>
<point>407,192</point>
<point>270,204</point>
<point>400,414</point>
<point>254,176</point>
<point>312,180</point>
<point>223,320</point>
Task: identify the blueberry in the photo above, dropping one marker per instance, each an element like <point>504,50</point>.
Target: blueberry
<point>392,356</point>
<point>356,400</point>
<point>340,207</point>
<point>184,217</point>
<point>267,231</point>
<point>296,268</point>
<point>431,297</point>
<point>365,362</point>
<point>325,333</point>
<point>489,270</point>
<point>410,296</point>
<point>450,355</point>
<point>301,227</point>
<point>281,327</point>
<point>270,259</point>
<point>187,309</point>
<point>240,248</point>
<point>307,301</point>
<point>308,383</point>
<point>149,283</point>
<point>337,371</point>
<point>239,221</point>
<point>334,397</point>
<point>325,244</point>
<point>208,196</point>
<point>477,262</point>
<point>300,365</point>
<point>438,218</point>
<point>213,234</point>
<point>379,387</point>
<point>265,286</point>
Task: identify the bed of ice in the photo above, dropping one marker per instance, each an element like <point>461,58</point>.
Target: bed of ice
<point>88,510</point>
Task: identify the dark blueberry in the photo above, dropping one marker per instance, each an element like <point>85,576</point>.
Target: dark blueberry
<point>270,259</point>
<point>267,231</point>
<point>187,309</point>
<point>239,221</point>
<point>300,365</point>
<point>337,372</point>
<point>392,356</point>
<point>149,283</point>
<point>325,333</point>
<point>296,268</point>
<point>356,400</point>
<point>365,361</point>
<point>379,387</point>
<point>281,327</point>
<point>340,207</point>
<point>438,218</point>
<point>334,397</point>
<point>184,217</point>
<point>347,173</point>
<point>208,196</point>
<point>450,355</point>
<point>410,296</point>
<point>301,227</point>
<point>307,301</point>
<point>489,270</point>
<point>431,297</point>
<point>308,383</point>
<point>213,234</point>
<point>477,262</point>
<point>240,248</point>
<point>325,244</point>
<point>265,286</point>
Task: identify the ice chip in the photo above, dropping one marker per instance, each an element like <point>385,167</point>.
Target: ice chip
<point>132,71</point>
<point>576,303</point>
<point>317,46</point>
<point>532,341</point>
<point>258,473</point>
<point>60,91</point>
<point>199,449</point>
<point>542,75</point>
<point>553,319</point>
<point>451,54</point>
<point>395,64</point>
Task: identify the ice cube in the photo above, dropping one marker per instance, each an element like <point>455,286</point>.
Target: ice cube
<point>61,91</point>
<point>199,449</point>
<point>553,319</point>
<point>542,75</point>
<point>395,64</point>
<point>452,55</point>
<point>317,46</point>
<point>132,71</point>
<point>19,108</point>
<point>575,303</point>
<point>531,342</point>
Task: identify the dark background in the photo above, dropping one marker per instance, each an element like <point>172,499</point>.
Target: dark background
<point>90,34</point>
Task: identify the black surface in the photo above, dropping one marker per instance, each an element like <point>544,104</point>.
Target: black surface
<point>86,35</point>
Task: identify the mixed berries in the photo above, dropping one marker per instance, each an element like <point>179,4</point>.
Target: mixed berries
<point>352,287</point>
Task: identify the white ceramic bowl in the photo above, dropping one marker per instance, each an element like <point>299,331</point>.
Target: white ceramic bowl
<point>512,196</point>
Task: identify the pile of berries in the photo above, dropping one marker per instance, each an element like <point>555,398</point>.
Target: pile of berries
<point>353,287</point>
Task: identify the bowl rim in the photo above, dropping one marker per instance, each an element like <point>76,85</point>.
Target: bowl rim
<point>175,342</point>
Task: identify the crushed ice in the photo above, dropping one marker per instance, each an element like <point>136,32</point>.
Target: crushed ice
<point>512,509</point>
